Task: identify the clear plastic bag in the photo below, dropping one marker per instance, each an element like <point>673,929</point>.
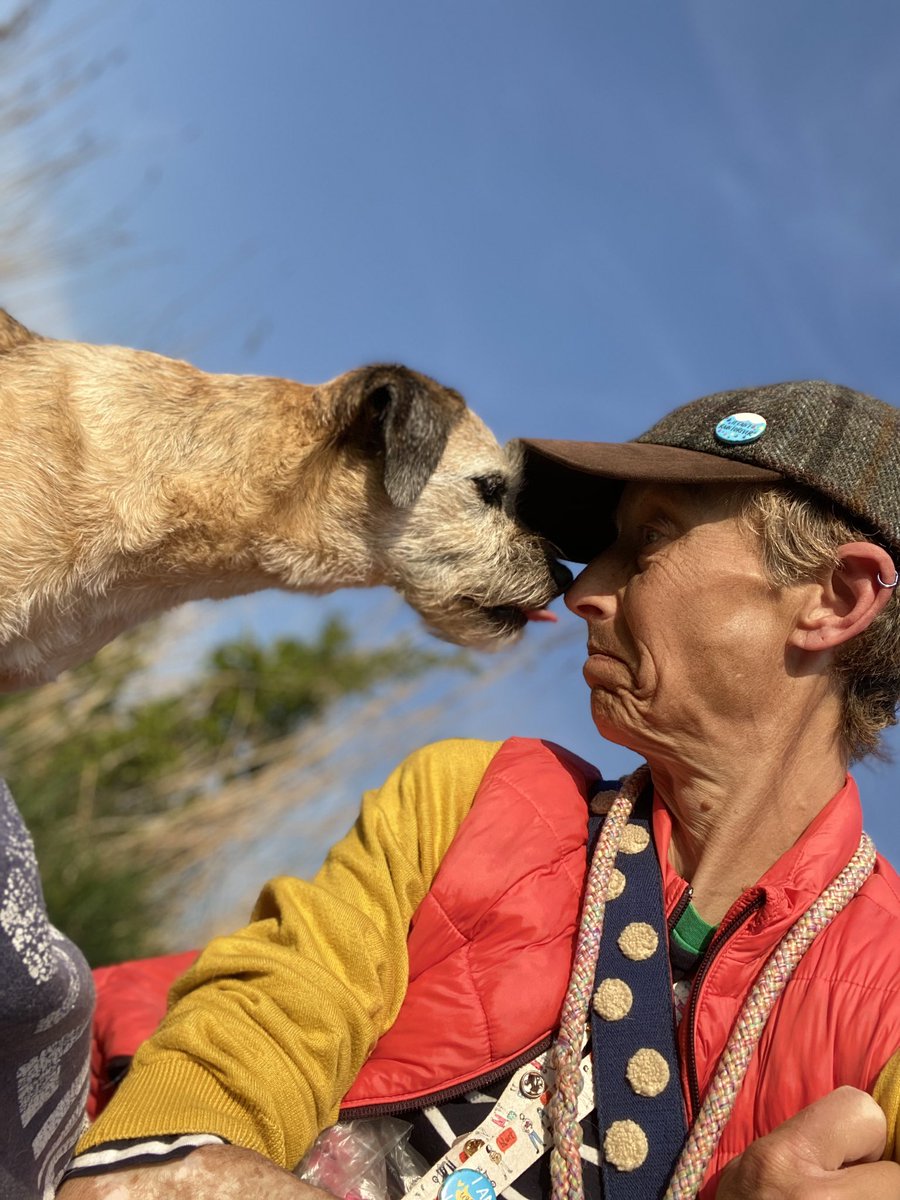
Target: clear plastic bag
<point>367,1159</point>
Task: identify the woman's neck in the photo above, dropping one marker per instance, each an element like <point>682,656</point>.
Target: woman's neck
<point>734,814</point>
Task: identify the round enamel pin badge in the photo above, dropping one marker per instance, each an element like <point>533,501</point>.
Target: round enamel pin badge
<point>740,429</point>
<point>466,1184</point>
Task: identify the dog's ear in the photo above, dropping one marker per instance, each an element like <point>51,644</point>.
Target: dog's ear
<point>13,334</point>
<point>406,417</point>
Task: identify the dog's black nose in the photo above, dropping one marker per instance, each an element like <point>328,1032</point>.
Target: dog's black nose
<point>562,576</point>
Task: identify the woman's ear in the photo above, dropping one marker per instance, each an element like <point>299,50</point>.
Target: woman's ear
<point>848,598</point>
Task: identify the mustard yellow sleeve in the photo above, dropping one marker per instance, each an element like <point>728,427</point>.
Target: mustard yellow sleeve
<point>887,1094</point>
<point>267,1031</point>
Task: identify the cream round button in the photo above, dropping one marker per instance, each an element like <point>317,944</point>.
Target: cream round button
<point>635,838</point>
<point>613,999</point>
<point>616,885</point>
<point>638,941</point>
<point>647,1072</point>
<point>602,802</point>
<point>625,1145</point>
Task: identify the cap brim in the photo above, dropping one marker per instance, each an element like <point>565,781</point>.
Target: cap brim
<point>571,489</point>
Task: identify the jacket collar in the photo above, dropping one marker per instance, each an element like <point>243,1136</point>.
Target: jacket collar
<point>799,875</point>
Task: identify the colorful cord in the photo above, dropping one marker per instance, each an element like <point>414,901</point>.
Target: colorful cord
<point>723,1091</point>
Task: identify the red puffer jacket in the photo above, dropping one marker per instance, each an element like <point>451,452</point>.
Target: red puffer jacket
<point>491,946</point>
<point>486,966</point>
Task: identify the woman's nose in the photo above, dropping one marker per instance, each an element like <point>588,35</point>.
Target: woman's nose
<point>592,593</point>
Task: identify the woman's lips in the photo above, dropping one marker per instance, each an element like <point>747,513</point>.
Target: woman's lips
<point>598,663</point>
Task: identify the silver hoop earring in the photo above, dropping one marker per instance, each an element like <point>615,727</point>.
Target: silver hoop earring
<point>889,585</point>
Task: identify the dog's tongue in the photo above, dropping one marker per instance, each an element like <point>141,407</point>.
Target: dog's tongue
<point>540,614</point>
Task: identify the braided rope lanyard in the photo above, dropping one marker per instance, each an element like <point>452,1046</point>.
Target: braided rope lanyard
<point>565,1156</point>
<point>723,1091</point>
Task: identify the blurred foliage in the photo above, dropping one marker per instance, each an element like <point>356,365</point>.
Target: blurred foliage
<point>93,757</point>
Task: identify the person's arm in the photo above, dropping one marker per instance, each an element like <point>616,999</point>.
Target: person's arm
<point>210,1173</point>
<point>831,1150</point>
<point>270,1027</point>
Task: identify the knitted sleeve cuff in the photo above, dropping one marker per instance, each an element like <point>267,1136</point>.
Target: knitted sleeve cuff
<point>887,1094</point>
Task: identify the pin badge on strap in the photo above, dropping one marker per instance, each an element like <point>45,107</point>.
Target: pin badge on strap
<point>514,1135</point>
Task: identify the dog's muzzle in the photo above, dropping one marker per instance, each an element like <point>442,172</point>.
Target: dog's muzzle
<point>510,618</point>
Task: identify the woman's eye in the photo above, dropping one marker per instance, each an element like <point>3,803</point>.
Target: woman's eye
<point>649,535</point>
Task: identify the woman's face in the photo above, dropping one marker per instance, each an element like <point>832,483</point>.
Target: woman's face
<point>686,636</point>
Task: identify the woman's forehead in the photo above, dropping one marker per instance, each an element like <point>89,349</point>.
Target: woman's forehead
<point>696,500</point>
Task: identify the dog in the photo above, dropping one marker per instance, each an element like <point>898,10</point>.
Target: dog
<point>131,483</point>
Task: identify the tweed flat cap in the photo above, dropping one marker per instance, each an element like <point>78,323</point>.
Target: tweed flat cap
<point>838,442</point>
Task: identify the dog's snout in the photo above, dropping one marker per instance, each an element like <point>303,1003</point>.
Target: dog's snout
<point>562,576</point>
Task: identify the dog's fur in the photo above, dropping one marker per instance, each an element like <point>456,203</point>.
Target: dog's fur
<point>130,483</point>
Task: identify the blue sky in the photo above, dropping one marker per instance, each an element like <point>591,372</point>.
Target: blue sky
<point>578,214</point>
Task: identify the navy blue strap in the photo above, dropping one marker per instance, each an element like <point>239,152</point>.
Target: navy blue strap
<point>647,1030</point>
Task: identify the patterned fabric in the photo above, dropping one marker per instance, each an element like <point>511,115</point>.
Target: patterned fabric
<point>681,993</point>
<point>45,1014</point>
<point>139,1152</point>
<point>436,1129</point>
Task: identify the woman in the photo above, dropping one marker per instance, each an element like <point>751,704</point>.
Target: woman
<point>744,637</point>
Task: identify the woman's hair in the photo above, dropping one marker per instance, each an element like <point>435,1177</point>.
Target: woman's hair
<point>800,533</point>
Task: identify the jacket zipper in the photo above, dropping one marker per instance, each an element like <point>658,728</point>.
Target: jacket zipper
<point>679,909</point>
<point>726,932</point>
<point>390,1108</point>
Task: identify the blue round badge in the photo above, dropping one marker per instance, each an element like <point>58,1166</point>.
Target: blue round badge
<point>466,1184</point>
<point>740,429</point>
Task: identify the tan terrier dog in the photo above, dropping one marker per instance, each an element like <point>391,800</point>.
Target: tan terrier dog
<point>130,483</point>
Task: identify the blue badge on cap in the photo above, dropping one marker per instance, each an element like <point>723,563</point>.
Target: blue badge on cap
<point>740,429</point>
<point>466,1184</point>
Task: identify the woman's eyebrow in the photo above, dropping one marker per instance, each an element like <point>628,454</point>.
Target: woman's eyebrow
<point>649,508</point>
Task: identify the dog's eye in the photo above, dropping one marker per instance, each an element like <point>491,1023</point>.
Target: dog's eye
<point>491,488</point>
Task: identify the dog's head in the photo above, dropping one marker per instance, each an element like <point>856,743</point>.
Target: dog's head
<point>133,483</point>
<point>440,507</point>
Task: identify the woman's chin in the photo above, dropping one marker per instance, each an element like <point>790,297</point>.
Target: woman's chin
<point>608,723</point>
